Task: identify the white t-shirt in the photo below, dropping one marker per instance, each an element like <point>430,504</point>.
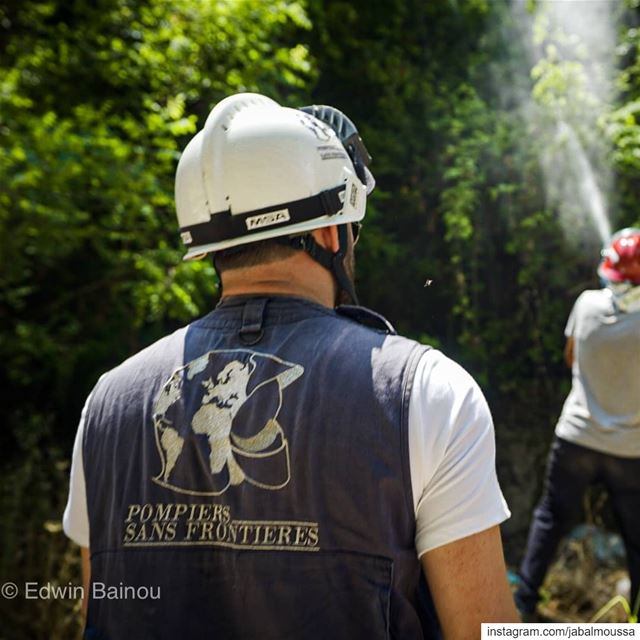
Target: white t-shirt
<point>602,411</point>
<point>451,455</point>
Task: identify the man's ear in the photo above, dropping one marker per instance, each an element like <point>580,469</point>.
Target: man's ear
<point>327,237</point>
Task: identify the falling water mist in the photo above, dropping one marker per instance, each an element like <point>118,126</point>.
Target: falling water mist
<point>571,52</point>
<point>581,199</point>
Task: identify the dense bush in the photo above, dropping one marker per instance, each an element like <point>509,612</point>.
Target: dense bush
<point>96,102</point>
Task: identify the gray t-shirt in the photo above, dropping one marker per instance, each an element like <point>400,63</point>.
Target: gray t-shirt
<point>602,411</point>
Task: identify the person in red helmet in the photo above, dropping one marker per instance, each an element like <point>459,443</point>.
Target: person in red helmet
<point>597,437</point>
<point>620,268</point>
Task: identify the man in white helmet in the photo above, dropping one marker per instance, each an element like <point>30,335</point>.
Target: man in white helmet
<point>597,437</point>
<point>282,467</point>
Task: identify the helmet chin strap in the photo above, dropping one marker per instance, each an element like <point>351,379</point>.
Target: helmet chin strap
<point>334,262</point>
<point>218,274</point>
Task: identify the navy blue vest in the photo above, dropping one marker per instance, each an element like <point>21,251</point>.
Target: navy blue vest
<point>248,478</point>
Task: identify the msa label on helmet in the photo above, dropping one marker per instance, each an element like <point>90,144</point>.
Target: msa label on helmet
<point>186,237</point>
<point>353,196</point>
<point>267,219</point>
<point>331,152</point>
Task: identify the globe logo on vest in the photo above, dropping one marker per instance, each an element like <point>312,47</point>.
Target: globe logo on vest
<point>217,423</point>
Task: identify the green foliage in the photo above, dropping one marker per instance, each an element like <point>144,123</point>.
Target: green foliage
<point>96,102</point>
<point>460,199</point>
<point>621,126</point>
<point>34,548</point>
<point>97,99</point>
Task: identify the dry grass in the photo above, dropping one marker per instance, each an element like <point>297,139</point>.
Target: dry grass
<point>580,584</point>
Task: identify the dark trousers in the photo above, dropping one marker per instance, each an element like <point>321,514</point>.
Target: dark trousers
<point>571,469</point>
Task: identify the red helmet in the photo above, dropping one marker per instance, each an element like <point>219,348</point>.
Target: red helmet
<point>621,259</point>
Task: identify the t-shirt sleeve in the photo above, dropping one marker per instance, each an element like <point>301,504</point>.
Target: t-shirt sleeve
<point>452,455</point>
<point>570,327</point>
<point>75,520</point>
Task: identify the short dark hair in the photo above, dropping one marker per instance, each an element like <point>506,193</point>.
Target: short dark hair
<point>252,254</point>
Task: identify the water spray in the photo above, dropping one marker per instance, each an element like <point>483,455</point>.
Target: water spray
<point>590,195</point>
<point>572,53</point>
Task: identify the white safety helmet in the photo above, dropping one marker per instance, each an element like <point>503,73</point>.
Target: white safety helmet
<point>258,170</point>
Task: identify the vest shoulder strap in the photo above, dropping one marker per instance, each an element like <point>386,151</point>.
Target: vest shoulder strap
<point>367,318</point>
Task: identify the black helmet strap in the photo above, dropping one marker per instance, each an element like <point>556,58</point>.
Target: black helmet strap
<point>334,262</point>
